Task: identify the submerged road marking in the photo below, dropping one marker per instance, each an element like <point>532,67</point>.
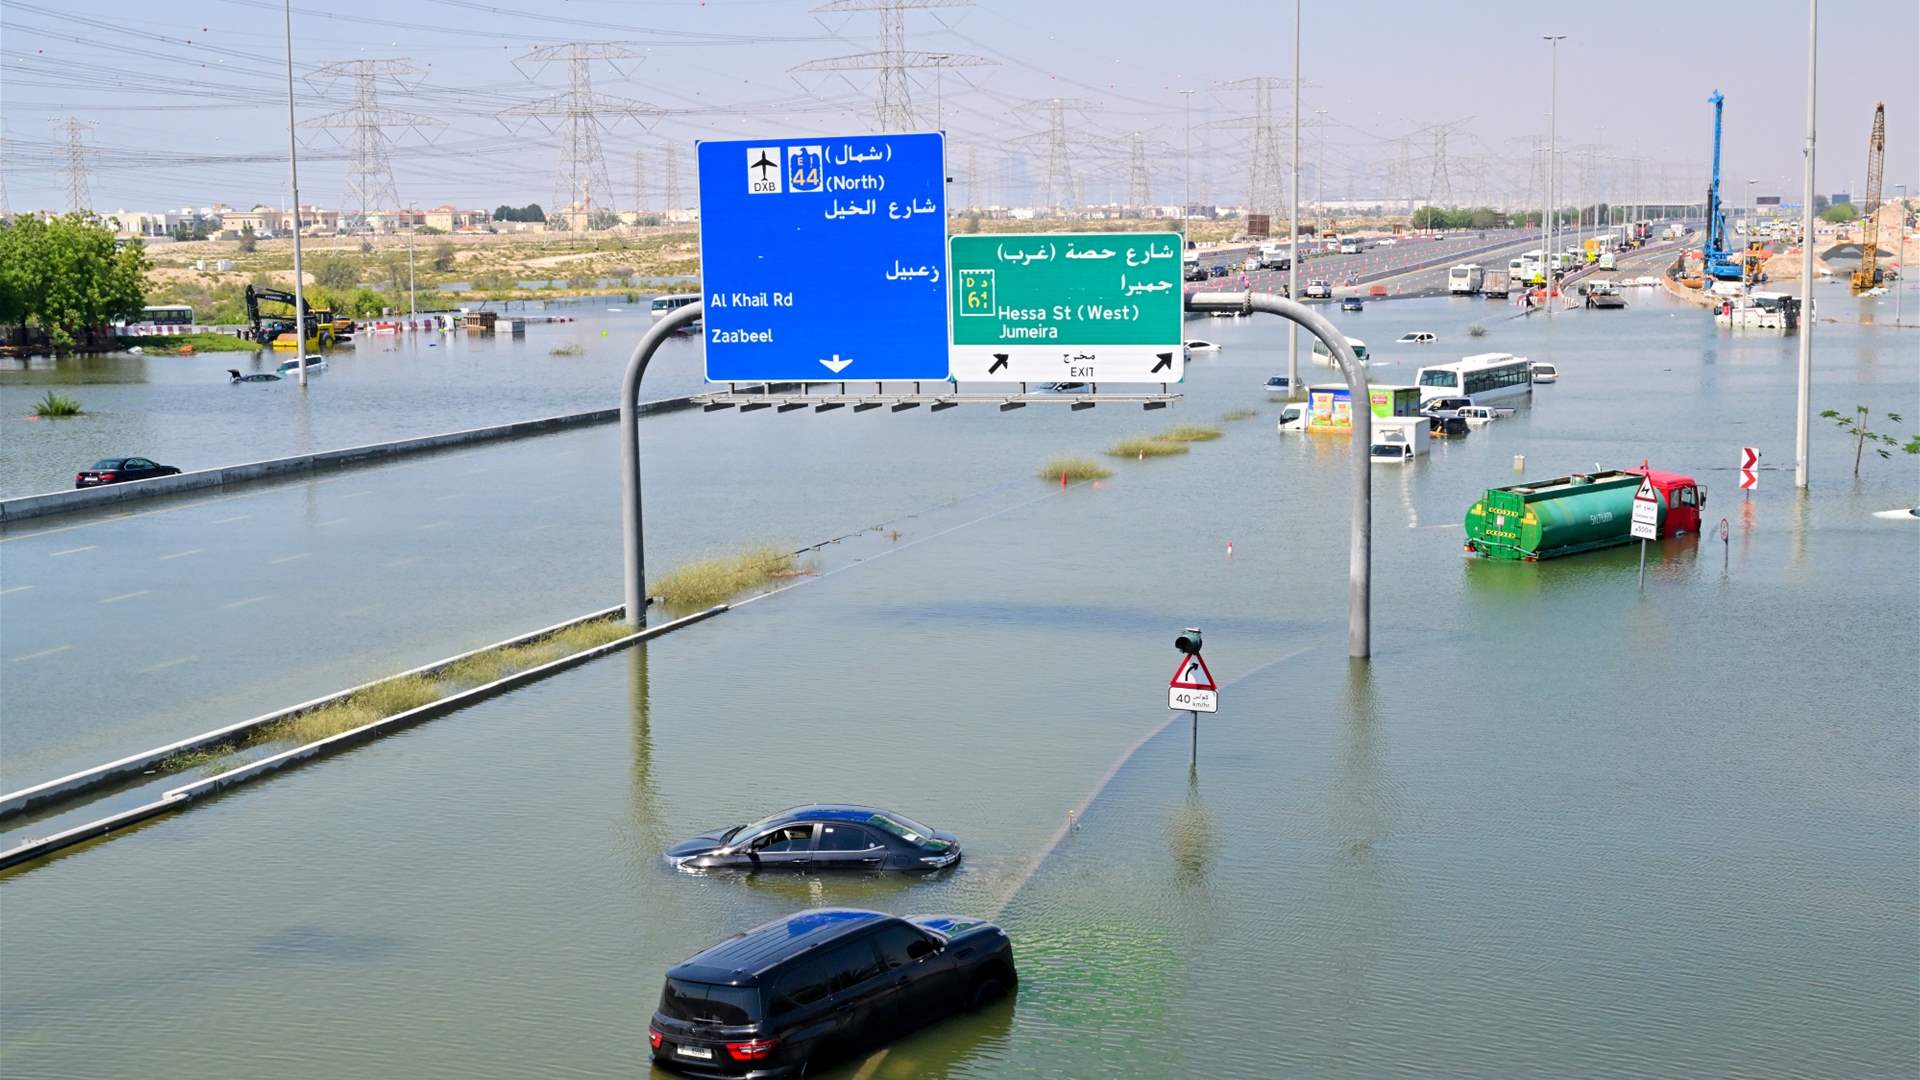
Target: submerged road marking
<point>122,596</point>
<point>72,551</point>
<point>231,520</point>
<point>335,521</point>
<point>290,558</point>
<point>404,560</point>
<point>15,589</point>
<point>244,603</point>
<point>165,664</point>
<point>436,524</point>
<point>547,499</point>
<point>182,554</point>
<point>43,652</point>
<point>357,494</point>
<point>450,495</point>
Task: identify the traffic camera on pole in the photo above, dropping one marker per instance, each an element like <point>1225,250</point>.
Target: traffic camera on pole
<point>1189,641</point>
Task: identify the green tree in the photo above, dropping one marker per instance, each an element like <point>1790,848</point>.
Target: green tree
<point>1840,213</point>
<point>68,277</point>
<point>247,241</point>
<point>443,257</point>
<point>1857,426</point>
<point>334,272</point>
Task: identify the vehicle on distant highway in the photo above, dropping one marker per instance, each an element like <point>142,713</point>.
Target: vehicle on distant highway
<point>1349,245</point>
<point>1494,285</point>
<point>1194,272</point>
<point>1386,241</point>
<point>1277,384</point>
<point>1274,257</point>
<point>1352,303</point>
<point>1318,289</point>
<point>822,984</point>
<point>1465,279</point>
<point>1417,337</point>
<point>1217,270</point>
<point>820,837</point>
<point>121,470</point>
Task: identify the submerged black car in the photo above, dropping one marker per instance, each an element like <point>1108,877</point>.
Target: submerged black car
<point>820,985</point>
<point>821,837</point>
<point>120,470</point>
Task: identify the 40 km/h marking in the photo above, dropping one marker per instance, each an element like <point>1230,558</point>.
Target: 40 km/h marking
<point>1206,701</point>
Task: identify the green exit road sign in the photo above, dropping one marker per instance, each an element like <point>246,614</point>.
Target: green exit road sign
<point>1067,307</point>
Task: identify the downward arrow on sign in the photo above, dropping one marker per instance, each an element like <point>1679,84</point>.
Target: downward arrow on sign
<point>837,365</point>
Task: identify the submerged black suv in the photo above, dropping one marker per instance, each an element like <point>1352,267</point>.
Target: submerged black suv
<point>820,985</point>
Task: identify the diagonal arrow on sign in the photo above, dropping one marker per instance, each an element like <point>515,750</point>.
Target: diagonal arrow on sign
<point>1166,361</point>
<point>999,362</point>
<point>1749,457</point>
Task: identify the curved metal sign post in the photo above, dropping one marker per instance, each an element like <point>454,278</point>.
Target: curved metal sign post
<point>634,553</point>
<point>1360,556</point>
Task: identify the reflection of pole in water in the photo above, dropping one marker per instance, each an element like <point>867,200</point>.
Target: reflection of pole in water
<point>646,812</point>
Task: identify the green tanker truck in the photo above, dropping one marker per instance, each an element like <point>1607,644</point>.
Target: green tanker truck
<point>1579,512</point>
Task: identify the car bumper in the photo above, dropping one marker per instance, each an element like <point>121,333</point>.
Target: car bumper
<point>684,1067</point>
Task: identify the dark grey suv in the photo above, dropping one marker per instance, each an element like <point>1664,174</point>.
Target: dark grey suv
<point>821,985</point>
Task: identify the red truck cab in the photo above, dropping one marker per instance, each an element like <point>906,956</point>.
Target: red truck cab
<point>1684,500</point>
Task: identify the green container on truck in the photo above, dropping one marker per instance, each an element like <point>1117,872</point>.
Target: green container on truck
<point>1579,512</point>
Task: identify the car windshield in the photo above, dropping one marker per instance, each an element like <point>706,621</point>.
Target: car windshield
<point>109,463</point>
<point>909,830</point>
<point>755,828</point>
<point>710,1003</point>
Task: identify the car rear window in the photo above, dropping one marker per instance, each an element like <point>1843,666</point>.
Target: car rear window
<point>710,1003</point>
<point>108,463</point>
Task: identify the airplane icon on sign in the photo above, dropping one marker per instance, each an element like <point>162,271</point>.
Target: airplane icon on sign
<point>764,164</point>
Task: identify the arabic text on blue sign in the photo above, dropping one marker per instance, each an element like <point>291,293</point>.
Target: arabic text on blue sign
<point>824,258</point>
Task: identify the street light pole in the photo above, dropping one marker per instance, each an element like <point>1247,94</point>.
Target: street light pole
<point>1293,240</point>
<point>412,307</point>
<point>293,174</point>
<point>1186,164</point>
<point>1899,305</point>
<point>1806,266</point>
<point>1546,220</point>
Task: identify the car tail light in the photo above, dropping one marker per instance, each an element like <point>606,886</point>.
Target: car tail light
<point>751,1051</point>
<point>109,476</point>
<point>653,1038</point>
<point>78,477</point>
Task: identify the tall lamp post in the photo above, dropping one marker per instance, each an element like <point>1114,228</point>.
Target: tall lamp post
<point>293,174</point>
<point>1546,220</point>
<point>1899,306</point>
<point>1293,239</point>
<point>1801,416</point>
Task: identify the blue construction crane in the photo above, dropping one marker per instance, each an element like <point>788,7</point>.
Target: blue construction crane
<point>1720,264</point>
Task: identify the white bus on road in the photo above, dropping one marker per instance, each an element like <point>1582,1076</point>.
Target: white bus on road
<point>1483,378</point>
<point>1530,269</point>
<point>1465,279</point>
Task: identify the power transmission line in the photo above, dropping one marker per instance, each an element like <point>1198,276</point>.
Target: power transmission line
<point>370,186</point>
<point>1264,163</point>
<point>1139,181</point>
<point>580,112</point>
<point>893,97</point>
<point>1061,190</point>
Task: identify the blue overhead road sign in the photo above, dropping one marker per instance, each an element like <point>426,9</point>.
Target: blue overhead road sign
<point>824,258</point>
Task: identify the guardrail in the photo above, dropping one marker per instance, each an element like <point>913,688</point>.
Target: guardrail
<point>62,502</point>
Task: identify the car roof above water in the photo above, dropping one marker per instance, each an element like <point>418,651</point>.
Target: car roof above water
<point>741,959</point>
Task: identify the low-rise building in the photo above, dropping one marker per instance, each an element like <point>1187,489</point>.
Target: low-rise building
<point>449,219</point>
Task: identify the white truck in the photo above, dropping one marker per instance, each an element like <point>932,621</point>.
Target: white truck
<point>1273,256</point>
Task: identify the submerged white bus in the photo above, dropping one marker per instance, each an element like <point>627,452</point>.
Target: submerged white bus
<point>671,302</point>
<point>1485,377</point>
<point>1465,279</point>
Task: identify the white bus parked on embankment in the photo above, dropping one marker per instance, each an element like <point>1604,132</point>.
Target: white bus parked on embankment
<point>1482,378</point>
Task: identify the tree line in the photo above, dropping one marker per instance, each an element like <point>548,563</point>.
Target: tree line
<point>65,278</point>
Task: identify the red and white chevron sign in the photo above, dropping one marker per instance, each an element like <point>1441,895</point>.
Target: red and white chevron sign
<point>1749,466</point>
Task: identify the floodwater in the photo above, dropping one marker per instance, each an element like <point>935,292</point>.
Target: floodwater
<point>184,411</point>
<point>1557,826</point>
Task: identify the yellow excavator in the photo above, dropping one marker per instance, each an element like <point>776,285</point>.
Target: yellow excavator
<point>1868,275</point>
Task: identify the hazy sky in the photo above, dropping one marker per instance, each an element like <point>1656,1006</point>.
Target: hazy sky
<point>186,99</point>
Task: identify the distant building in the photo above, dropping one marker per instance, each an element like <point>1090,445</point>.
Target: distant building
<point>261,219</point>
<point>448,219</point>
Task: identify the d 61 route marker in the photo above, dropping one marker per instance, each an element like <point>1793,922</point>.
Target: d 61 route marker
<point>1067,307</point>
<point>824,258</point>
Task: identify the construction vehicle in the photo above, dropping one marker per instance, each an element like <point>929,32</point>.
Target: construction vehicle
<point>271,328</point>
<point>1719,263</point>
<point>1868,275</point>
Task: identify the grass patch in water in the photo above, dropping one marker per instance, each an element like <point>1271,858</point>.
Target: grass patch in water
<point>55,405</point>
<point>1186,433</point>
<point>1075,469</point>
<point>1236,415</point>
<point>1476,330</point>
<point>172,344</point>
<point>706,582</point>
<point>1145,446</point>
<point>571,348</point>
<point>193,759</point>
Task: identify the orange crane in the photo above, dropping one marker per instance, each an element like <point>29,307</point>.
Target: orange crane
<point>1869,273</point>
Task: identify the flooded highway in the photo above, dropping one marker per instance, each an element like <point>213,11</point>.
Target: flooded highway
<point>1558,826</point>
